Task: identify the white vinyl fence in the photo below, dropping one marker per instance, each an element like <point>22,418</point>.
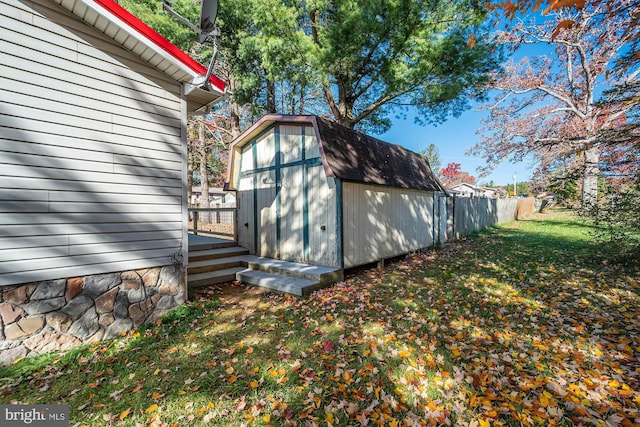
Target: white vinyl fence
<point>465,216</point>
<point>450,217</point>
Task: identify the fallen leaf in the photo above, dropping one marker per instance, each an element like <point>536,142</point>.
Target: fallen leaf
<point>124,413</point>
<point>328,346</point>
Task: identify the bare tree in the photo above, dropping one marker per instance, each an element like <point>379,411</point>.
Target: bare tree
<point>548,105</point>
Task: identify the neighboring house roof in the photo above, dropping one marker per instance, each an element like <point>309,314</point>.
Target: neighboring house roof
<point>463,186</point>
<point>117,23</point>
<point>353,156</point>
<point>486,189</point>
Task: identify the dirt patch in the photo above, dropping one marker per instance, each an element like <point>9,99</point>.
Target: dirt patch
<point>236,293</point>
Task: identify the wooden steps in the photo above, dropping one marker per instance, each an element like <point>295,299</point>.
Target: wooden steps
<point>214,261</point>
<point>209,254</point>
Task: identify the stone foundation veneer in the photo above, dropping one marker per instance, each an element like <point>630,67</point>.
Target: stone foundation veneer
<point>60,314</point>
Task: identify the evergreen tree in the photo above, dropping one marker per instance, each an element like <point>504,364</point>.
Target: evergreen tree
<point>433,155</point>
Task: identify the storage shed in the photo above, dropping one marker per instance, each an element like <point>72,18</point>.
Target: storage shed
<point>93,164</point>
<point>312,191</point>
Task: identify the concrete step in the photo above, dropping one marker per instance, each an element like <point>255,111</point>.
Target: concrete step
<point>324,275</point>
<point>216,264</point>
<point>228,251</point>
<point>279,283</point>
<point>213,277</point>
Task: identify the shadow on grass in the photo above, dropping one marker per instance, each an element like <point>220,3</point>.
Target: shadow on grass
<point>199,360</point>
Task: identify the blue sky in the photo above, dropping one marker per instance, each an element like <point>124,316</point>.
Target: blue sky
<point>456,135</point>
<point>453,138</point>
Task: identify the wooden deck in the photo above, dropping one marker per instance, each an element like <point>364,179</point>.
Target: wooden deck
<point>199,242</point>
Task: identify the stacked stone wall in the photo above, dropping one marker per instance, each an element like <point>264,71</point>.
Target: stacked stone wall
<point>60,314</point>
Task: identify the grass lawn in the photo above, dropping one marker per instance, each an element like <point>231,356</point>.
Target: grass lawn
<point>526,324</point>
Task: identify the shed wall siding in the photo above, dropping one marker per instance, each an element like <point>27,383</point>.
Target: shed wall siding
<point>91,157</point>
<point>382,222</point>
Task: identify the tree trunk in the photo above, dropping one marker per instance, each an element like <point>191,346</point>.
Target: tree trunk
<point>271,97</point>
<point>346,107</point>
<point>235,113</point>
<point>301,99</point>
<point>590,177</point>
<point>235,120</point>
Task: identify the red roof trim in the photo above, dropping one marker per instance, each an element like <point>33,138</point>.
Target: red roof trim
<point>158,40</point>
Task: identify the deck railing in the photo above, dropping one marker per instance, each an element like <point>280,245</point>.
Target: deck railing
<point>216,221</point>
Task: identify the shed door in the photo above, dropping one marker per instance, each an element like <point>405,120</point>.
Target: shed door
<point>266,215</point>
<point>291,217</point>
<point>287,204</point>
<point>295,213</point>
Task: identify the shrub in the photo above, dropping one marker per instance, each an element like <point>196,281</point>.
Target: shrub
<point>617,225</point>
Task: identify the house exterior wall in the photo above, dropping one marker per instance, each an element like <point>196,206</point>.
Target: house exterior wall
<point>382,222</point>
<point>91,152</point>
<point>286,204</point>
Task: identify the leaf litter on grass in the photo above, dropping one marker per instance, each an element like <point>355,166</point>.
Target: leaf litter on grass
<point>519,325</point>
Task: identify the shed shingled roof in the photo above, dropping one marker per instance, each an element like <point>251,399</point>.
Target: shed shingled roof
<point>354,156</point>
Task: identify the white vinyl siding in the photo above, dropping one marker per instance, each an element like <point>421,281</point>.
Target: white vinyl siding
<point>91,154</point>
<point>383,222</point>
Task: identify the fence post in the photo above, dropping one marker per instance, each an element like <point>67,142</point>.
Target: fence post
<point>234,218</point>
<point>453,214</point>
